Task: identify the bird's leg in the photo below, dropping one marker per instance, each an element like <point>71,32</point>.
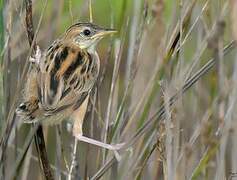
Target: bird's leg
<point>78,116</point>
<point>113,147</point>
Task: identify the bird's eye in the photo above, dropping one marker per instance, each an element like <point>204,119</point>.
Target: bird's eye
<point>86,32</point>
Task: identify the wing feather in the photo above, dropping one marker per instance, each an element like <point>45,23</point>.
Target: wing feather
<point>67,75</point>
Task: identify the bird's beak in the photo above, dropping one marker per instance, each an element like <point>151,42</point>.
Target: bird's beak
<point>105,32</point>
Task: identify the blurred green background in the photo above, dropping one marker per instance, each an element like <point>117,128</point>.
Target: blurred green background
<point>159,45</point>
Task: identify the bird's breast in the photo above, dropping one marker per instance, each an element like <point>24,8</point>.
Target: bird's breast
<point>69,69</point>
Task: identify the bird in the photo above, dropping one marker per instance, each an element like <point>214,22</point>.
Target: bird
<point>60,79</point>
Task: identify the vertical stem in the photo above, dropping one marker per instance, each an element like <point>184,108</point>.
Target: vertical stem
<point>73,163</point>
<point>39,137</point>
<point>6,78</point>
<point>29,24</point>
<point>42,154</point>
<point>90,11</point>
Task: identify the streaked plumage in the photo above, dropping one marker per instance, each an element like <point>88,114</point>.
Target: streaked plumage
<point>59,82</point>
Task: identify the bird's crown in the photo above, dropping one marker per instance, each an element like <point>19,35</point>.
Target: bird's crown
<point>85,34</point>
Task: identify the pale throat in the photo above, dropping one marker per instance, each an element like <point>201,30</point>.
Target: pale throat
<point>92,48</point>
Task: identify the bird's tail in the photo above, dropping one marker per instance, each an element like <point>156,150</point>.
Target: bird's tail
<point>26,110</point>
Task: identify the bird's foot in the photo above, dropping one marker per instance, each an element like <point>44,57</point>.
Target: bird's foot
<point>36,57</point>
<point>112,147</point>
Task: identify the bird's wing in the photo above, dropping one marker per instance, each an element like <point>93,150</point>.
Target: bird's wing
<point>67,75</point>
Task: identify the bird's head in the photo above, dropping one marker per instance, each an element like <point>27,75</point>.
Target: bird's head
<point>86,35</point>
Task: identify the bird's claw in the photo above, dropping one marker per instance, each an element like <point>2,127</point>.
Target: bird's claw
<point>113,147</point>
<point>36,57</point>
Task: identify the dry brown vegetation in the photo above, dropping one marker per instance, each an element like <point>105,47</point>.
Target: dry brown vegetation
<point>167,89</point>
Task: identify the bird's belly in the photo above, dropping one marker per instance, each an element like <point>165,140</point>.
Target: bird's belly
<point>56,118</point>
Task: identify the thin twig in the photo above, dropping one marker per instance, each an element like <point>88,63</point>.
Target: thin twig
<point>42,154</point>
<point>39,137</point>
<point>90,11</point>
<point>29,24</point>
<point>118,49</point>
<point>6,85</point>
<point>70,9</point>
<point>73,163</point>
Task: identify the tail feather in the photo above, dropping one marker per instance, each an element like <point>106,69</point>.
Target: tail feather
<point>26,110</point>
